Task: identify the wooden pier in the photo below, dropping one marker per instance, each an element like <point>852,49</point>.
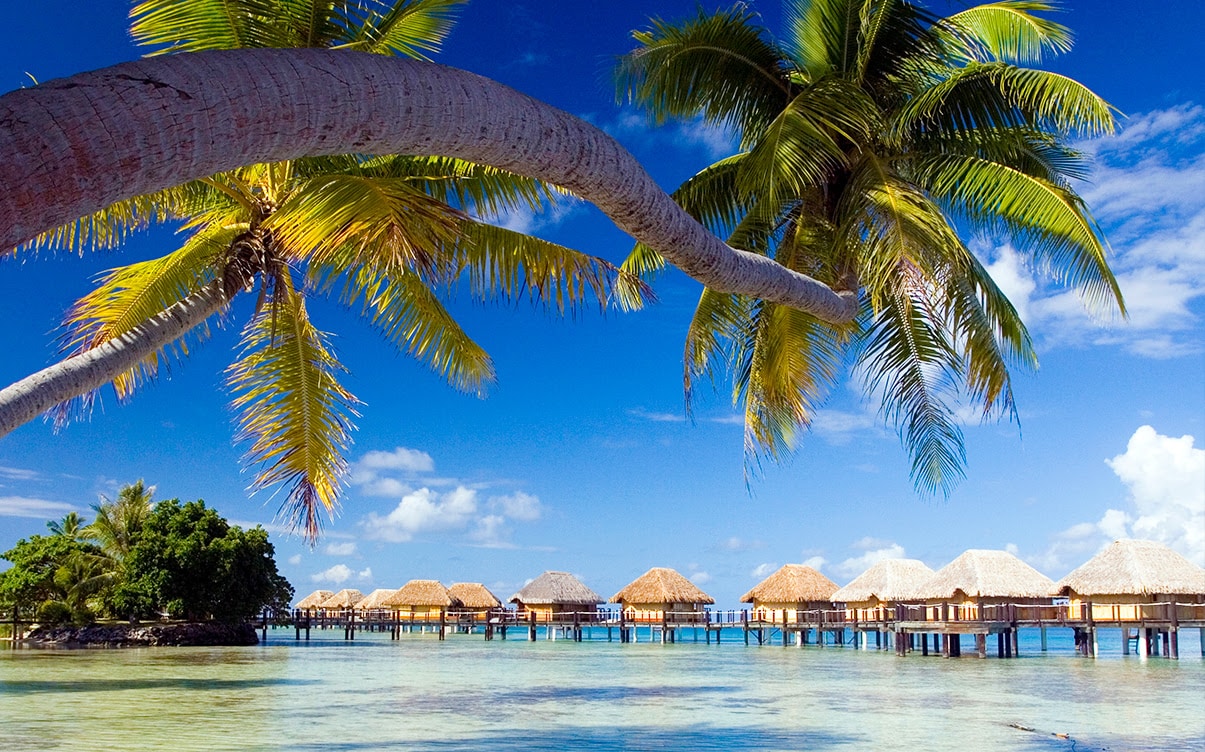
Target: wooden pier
<point>904,629</point>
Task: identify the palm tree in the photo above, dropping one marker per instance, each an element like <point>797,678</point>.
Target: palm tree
<point>120,520</point>
<point>383,235</point>
<point>70,527</point>
<point>874,138</point>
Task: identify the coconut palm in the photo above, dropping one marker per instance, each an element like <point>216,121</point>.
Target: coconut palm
<point>70,527</point>
<point>875,138</point>
<point>383,235</point>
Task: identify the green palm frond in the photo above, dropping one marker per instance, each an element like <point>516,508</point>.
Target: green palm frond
<point>207,25</point>
<point>411,28</point>
<point>291,408</point>
<point>719,66</point>
<point>914,368</point>
<point>822,35</point>
<point>1006,31</point>
<point>476,188</point>
<point>376,215</point>
<point>311,23</point>
<point>983,95</point>
<point>718,321</point>
<point>131,295</point>
<point>503,265</point>
<point>1049,220</point>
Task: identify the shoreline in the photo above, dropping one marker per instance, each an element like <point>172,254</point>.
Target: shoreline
<point>143,635</point>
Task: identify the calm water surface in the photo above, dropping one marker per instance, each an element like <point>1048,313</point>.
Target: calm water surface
<point>465,694</point>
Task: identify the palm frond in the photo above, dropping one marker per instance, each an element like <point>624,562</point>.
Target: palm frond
<point>476,188</point>
<point>719,66</point>
<point>984,95</point>
<point>718,321</point>
<point>291,408</point>
<point>411,28</point>
<point>207,25</point>
<point>504,265</point>
<point>1006,31</point>
<point>822,35</point>
<point>1048,220</point>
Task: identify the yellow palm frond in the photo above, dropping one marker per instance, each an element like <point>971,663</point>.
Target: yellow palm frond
<point>292,409</point>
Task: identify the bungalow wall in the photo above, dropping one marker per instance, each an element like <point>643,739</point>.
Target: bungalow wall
<point>992,608</point>
<point>550,612</point>
<point>808,612</point>
<point>1136,608</point>
<point>418,613</point>
<point>677,613</point>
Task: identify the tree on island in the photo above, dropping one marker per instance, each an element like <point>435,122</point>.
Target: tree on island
<point>183,560</point>
<point>289,104</point>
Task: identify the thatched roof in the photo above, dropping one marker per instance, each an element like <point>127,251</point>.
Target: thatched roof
<point>375,599</point>
<point>986,574</point>
<point>315,599</point>
<point>792,583</point>
<point>661,585</point>
<point>422,593</point>
<point>343,599</point>
<point>887,580</point>
<point>556,588</point>
<point>1136,567</point>
<point>474,595</point>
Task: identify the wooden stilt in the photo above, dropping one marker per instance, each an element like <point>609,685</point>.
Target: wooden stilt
<point>924,644</point>
<point>1043,639</point>
<point>1015,647</point>
<point>1173,634</point>
<point>981,644</point>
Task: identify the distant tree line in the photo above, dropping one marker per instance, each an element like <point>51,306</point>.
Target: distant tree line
<point>140,559</point>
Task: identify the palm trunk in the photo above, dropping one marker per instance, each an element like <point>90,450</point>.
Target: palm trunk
<point>80,374</point>
<point>72,146</point>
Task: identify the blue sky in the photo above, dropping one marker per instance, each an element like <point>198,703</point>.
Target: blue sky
<point>580,458</point>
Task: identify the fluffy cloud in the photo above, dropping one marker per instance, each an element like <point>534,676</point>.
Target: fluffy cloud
<point>340,549</point>
<point>1166,481</point>
<point>23,506</point>
<point>700,578</point>
<point>341,573</point>
<point>430,511</point>
<point>18,473</point>
<point>408,460</point>
<point>761,571</point>
<point>295,559</point>
<point>693,136</point>
<point>1148,192</point>
<point>873,551</point>
<point>815,562</point>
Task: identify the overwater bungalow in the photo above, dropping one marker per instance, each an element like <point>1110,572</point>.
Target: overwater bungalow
<point>421,600</point>
<point>981,592</point>
<point>788,595</point>
<point>312,603</point>
<point>662,595</point>
<point>873,595</point>
<point>1136,583</point>
<point>554,596</point>
<point>372,606</point>
<point>476,601</point>
<point>344,600</point>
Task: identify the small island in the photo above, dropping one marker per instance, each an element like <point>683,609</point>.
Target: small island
<point>142,573</point>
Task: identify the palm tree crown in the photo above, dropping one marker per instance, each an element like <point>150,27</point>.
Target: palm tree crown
<point>383,235</point>
<point>874,137</point>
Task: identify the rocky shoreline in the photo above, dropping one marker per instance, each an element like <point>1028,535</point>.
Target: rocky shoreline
<point>143,635</point>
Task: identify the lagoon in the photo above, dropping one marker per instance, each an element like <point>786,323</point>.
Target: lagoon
<point>466,694</point>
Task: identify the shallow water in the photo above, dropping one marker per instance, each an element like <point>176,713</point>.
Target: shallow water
<point>466,694</point>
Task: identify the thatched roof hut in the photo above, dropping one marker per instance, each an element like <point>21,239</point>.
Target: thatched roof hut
<point>661,585</point>
<point>343,599</point>
<point>374,600</point>
<point>886,581</point>
<point>421,593</point>
<point>1135,567</point>
<point>986,574</point>
<point>792,583</point>
<point>474,595</point>
<point>556,589</point>
<point>314,600</point>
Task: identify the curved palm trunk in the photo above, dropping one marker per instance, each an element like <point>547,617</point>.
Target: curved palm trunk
<point>74,145</point>
<point>80,374</point>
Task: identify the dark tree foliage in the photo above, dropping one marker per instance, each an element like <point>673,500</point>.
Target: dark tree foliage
<point>35,562</point>
<point>190,562</point>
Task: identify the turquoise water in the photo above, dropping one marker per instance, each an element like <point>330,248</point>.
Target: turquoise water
<point>467,694</point>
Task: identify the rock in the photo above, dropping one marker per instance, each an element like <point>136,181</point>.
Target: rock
<point>143,635</point>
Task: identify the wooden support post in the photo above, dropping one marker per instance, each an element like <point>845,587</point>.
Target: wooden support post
<point>924,644</point>
<point>664,625</point>
<point>531,626</point>
<point>1043,639</point>
<point>745,624</point>
<point>1015,642</point>
<point>981,644</point>
<point>945,646</point>
<point>785,633</point>
<point>1173,635</point>
<point>443,624</point>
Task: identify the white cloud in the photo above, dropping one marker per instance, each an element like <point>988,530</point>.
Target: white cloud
<point>336,575</point>
<point>519,506</point>
<point>491,532</point>
<point>424,510</point>
<point>409,460</point>
<point>700,578</point>
<point>692,136</point>
<point>656,417</point>
<point>839,427</point>
<point>761,571</point>
<point>295,559</point>
<point>528,222</point>
<point>340,549</point>
<point>1148,193</point>
<point>18,473</point>
<point>815,562</point>
<point>1166,481</point>
<point>740,544</point>
<point>365,573</point>
<point>23,506</point>
<point>874,551</point>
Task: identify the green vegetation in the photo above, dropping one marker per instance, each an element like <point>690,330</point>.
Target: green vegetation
<point>875,138</point>
<point>140,559</point>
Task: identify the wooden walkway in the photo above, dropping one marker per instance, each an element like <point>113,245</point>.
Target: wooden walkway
<point>903,628</point>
